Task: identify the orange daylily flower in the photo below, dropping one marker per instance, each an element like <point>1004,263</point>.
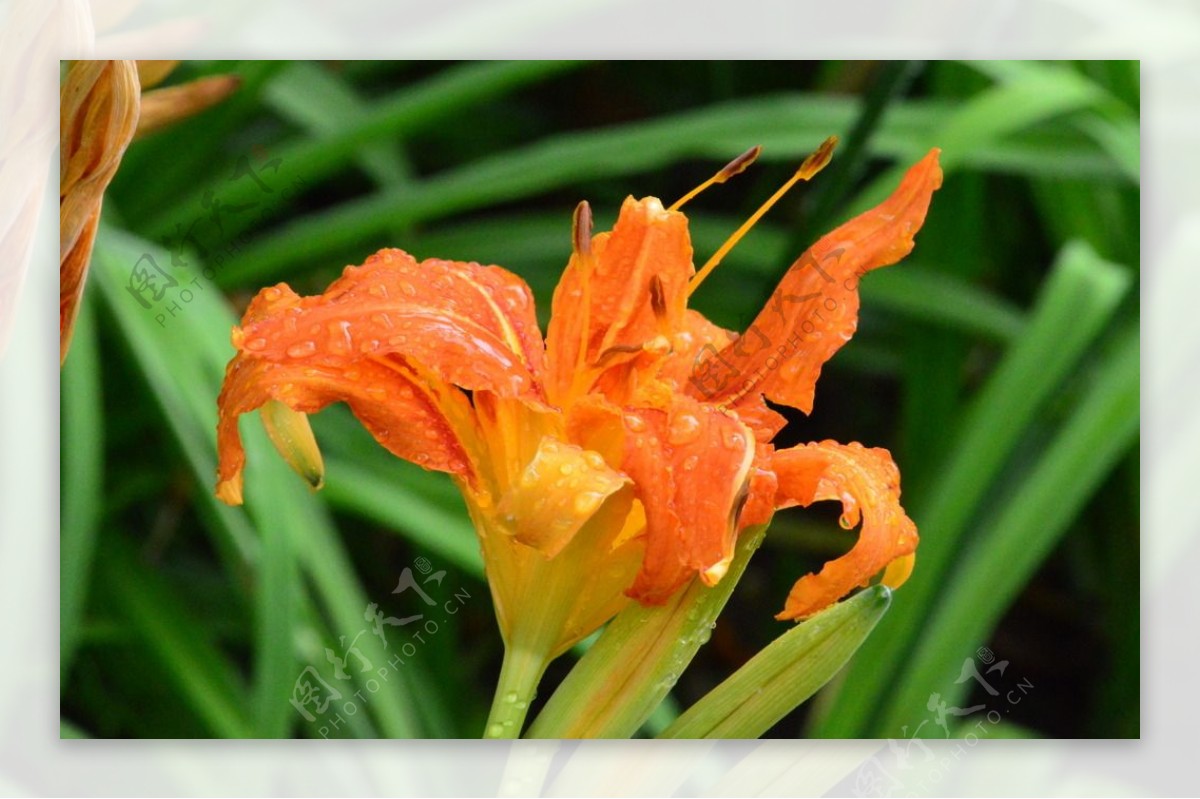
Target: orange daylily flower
<point>621,456</point>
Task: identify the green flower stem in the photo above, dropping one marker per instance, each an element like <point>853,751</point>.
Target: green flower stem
<point>790,670</point>
<point>519,675</point>
<point>634,664</point>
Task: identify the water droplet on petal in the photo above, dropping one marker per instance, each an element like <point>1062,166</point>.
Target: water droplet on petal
<point>303,349</point>
<point>684,429</point>
<point>634,423</point>
<point>587,503</point>
<point>256,344</point>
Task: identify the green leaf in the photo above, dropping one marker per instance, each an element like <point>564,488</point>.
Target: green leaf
<point>434,529</point>
<point>305,161</point>
<point>616,686</point>
<point>788,671</point>
<point>314,98</point>
<point>789,127</point>
<point>205,680</point>
<point>82,480</point>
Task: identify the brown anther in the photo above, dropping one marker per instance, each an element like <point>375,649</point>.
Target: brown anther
<point>581,229</point>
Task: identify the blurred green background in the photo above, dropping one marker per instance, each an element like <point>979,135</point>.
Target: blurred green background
<point>999,364</point>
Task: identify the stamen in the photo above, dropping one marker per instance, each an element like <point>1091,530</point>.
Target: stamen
<point>658,299</point>
<point>811,166</point>
<point>581,242</point>
<point>581,229</point>
<point>581,238</point>
<point>734,167</point>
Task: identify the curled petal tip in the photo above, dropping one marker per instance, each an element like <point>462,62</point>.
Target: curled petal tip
<point>163,107</point>
<point>230,491</point>
<point>898,571</point>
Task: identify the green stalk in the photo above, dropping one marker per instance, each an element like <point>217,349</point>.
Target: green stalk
<point>519,676</point>
<point>621,680</point>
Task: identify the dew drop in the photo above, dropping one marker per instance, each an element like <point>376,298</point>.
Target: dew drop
<point>690,463</point>
<point>566,468</point>
<point>684,429</point>
<point>256,344</point>
<point>586,503</point>
<point>634,423</point>
<point>301,350</point>
<point>495,730</point>
<point>510,697</point>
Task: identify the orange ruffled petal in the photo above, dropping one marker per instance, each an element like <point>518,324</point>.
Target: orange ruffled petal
<point>416,418</point>
<point>690,465</point>
<point>391,338</point>
<point>619,291</point>
<point>814,310</point>
<point>867,483</point>
<point>473,326</point>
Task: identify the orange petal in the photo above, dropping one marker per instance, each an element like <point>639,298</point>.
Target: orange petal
<point>681,370</point>
<point>760,501</point>
<point>164,107</point>
<point>559,489</point>
<point>98,112</point>
<point>690,465</point>
<point>629,288</point>
<point>473,326</point>
<point>814,310</point>
<point>867,483</point>
<point>415,416</point>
